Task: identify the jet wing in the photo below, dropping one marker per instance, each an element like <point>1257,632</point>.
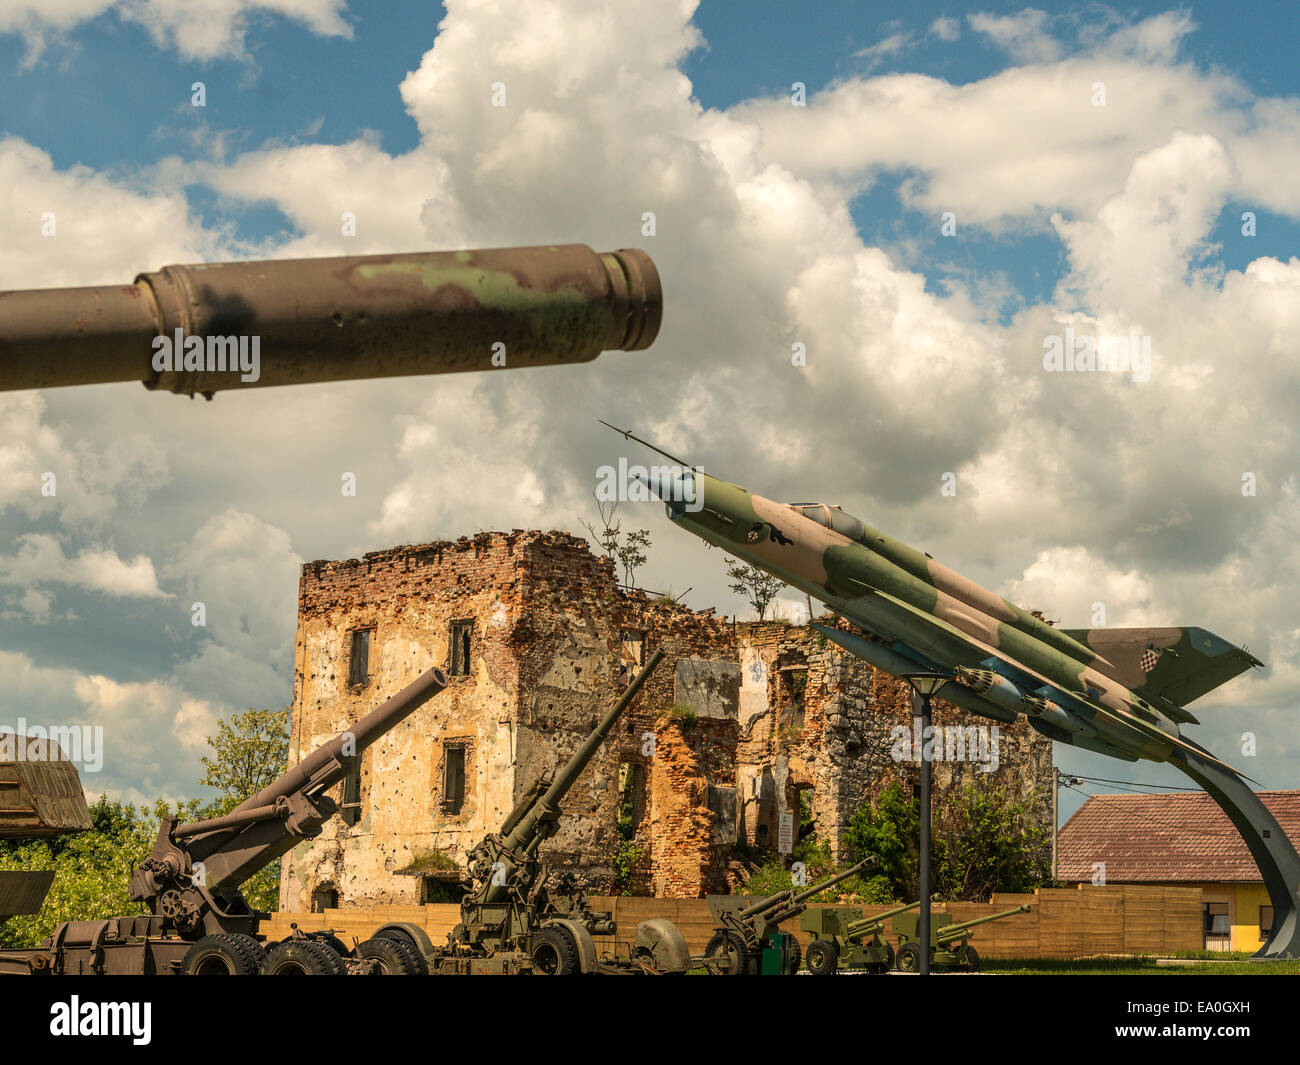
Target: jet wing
<point>964,642</point>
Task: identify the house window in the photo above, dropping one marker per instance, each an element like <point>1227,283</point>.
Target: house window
<point>1218,929</point>
<point>359,657</point>
<point>631,798</point>
<point>461,635</point>
<point>1265,922</point>
<point>324,898</point>
<point>351,809</point>
<point>453,776</point>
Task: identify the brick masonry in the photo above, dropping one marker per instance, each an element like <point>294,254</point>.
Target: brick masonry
<point>553,641</point>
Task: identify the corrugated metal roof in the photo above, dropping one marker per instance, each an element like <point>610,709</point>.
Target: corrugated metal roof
<point>40,792</point>
<point>1171,837</point>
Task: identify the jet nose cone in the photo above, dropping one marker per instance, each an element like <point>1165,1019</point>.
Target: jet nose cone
<point>677,488</point>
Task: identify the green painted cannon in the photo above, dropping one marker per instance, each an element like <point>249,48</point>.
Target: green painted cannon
<point>747,939</point>
<point>949,943</point>
<point>842,938</point>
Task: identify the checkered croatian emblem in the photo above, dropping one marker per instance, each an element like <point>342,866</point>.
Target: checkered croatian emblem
<point>1149,659</point>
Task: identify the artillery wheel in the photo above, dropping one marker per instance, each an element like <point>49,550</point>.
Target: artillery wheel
<point>254,948</point>
<point>554,953</point>
<point>796,958</point>
<point>219,955</point>
<point>972,960</point>
<point>909,958</point>
<point>332,941</point>
<point>725,955</point>
<point>398,935</point>
<point>303,957</point>
<point>823,958</point>
<point>391,957</point>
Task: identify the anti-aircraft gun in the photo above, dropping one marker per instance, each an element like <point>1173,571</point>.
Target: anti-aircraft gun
<point>747,939</point>
<point>205,328</point>
<point>199,923</point>
<point>841,938</point>
<point>949,943</point>
<point>512,922</point>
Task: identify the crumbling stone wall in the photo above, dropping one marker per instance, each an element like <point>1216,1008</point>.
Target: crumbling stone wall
<point>844,750</point>
<point>547,623</point>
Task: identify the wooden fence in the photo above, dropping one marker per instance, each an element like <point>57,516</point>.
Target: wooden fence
<point>1063,922</point>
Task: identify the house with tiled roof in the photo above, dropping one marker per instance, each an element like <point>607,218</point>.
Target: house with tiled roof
<point>1178,838</point>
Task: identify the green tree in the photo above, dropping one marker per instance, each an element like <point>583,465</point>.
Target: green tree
<point>627,549</point>
<point>249,751</point>
<point>757,586</point>
<point>984,840</point>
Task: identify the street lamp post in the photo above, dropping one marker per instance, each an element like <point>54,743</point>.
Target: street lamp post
<point>926,685</point>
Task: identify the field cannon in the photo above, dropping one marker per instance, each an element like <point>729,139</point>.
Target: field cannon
<point>747,939</point>
<point>949,943</point>
<point>841,938</point>
<point>198,922</point>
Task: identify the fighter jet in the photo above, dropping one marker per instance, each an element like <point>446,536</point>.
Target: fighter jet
<point>1121,692</point>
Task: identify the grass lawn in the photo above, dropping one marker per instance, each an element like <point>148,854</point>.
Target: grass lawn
<point>1228,965</point>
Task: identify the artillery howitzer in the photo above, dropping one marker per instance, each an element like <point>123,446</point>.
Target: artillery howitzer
<point>199,923</point>
<point>949,943</point>
<point>844,939</point>
<point>747,940</point>
<point>511,922</point>
<point>204,328</point>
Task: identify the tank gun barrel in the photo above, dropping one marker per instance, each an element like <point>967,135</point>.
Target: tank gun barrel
<point>204,328</point>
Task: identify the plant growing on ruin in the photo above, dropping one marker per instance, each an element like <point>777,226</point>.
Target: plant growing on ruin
<point>758,587</point>
<point>684,715</point>
<point>627,549</point>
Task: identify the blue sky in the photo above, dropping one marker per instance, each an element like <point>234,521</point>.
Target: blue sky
<point>820,224</point>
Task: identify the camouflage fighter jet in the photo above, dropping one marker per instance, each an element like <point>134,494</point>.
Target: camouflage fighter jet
<point>1121,692</point>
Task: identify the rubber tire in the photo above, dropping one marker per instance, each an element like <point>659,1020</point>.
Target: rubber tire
<point>393,956</point>
<point>909,958</point>
<point>255,948</point>
<point>398,936</point>
<point>733,944</point>
<point>333,942</point>
<point>972,960</point>
<point>796,958</point>
<point>823,958</point>
<point>219,955</point>
<point>303,957</point>
<point>554,953</point>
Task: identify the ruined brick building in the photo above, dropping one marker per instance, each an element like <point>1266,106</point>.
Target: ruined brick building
<point>740,728</point>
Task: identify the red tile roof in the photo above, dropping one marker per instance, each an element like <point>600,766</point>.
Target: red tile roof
<point>1171,836</point>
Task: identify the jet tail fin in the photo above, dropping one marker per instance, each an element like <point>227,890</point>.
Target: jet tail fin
<point>1167,666</point>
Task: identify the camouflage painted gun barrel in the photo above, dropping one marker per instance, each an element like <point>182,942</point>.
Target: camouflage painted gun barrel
<point>186,329</point>
<point>1121,692</point>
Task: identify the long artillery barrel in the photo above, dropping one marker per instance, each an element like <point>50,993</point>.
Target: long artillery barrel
<point>868,925</point>
<point>236,845</point>
<point>538,821</point>
<point>786,904</point>
<point>955,931</point>
<point>191,329</point>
